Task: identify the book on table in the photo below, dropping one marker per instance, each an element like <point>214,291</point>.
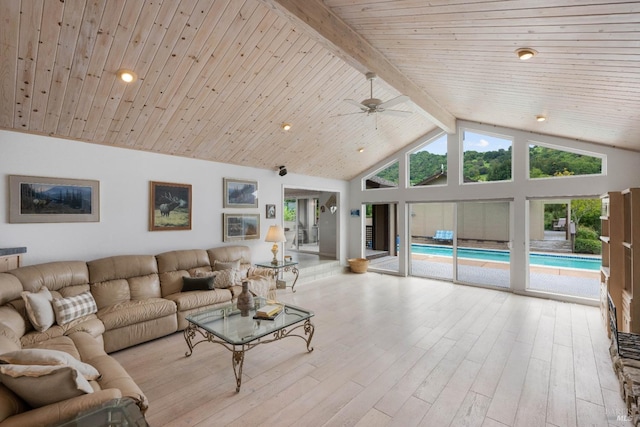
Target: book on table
<point>269,310</point>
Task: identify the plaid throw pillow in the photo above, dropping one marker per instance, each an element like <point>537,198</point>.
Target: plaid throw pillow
<point>68,309</point>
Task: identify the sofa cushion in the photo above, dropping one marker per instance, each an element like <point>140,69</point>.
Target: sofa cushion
<point>143,287</point>
<point>226,278</point>
<point>132,312</point>
<point>39,309</point>
<point>226,265</point>
<point>230,253</point>
<point>197,283</point>
<point>40,356</point>
<point>10,288</point>
<point>54,275</point>
<point>190,300</point>
<point>174,265</point>
<point>35,384</point>
<point>111,292</point>
<point>10,403</point>
<point>68,309</point>
<point>62,343</point>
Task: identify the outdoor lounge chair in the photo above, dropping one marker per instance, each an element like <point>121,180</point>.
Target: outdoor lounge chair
<point>443,236</point>
<point>560,224</point>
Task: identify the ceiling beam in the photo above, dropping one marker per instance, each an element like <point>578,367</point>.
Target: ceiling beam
<point>327,28</point>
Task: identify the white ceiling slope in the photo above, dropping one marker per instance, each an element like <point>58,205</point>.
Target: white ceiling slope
<point>218,78</point>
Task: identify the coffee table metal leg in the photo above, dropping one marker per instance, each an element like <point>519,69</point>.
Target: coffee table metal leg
<point>295,271</point>
<point>238,361</point>
<point>309,329</point>
<point>189,333</point>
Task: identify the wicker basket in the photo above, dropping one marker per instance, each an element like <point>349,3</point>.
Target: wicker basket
<point>358,265</point>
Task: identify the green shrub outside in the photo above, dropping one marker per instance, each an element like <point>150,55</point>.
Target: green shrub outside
<point>587,233</point>
<point>588,246</point>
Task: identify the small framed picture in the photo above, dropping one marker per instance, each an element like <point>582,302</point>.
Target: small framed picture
<point>240,193</point>
<point>270,211</point>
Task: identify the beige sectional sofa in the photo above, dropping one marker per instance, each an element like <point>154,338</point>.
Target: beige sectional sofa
<point>133,299</point>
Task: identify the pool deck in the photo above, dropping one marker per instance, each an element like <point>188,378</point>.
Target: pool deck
<point>565,281</point>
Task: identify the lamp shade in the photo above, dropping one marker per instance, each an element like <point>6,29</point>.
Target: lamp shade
<point>275,234</point>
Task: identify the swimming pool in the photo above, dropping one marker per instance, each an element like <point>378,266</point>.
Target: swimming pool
<point>548,260</point>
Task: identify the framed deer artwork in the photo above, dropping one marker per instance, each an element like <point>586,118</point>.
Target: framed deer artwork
<point>169,206</point>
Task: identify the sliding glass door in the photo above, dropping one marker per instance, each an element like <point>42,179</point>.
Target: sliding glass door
<point>465,242</point>
<point>483,254</point>
<point>431,239</point>
<point>564,247</point>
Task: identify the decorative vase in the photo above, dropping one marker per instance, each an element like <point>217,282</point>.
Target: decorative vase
<point>245,300</point>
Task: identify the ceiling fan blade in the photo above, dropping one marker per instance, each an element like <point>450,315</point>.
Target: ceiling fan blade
<point>399,113</point>
<point>357,104</point>
<point>395,101</point>
<point>348,114</point>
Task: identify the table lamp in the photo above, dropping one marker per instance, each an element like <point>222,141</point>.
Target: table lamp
<point>275,234</point>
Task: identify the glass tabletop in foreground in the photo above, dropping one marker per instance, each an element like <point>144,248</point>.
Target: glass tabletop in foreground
<point>227,324</point>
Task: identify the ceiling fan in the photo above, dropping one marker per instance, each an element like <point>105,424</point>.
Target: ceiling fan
<point>375,105</point>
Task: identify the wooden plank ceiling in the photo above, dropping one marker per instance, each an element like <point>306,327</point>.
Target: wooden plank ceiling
<point>218,78</point>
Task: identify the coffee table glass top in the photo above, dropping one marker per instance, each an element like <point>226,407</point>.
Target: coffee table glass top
<point>227,324</point>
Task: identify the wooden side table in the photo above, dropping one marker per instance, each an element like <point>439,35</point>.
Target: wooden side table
<point>11,258</point>
<point>284,267</point>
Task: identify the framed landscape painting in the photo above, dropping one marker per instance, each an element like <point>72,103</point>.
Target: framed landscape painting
<point>170,206</point>
<point>239,193</point>
<point>40,199</point>
<point>240,227</point>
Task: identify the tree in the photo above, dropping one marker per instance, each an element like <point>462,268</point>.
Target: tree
<point>586,211</point>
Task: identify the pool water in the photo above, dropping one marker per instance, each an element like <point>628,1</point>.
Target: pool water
<point>547,260</point>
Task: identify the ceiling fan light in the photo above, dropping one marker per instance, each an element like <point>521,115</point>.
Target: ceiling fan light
<point>127,76</point>
<point>525,53</point>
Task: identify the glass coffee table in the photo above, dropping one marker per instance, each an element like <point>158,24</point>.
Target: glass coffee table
<point>238,334</point>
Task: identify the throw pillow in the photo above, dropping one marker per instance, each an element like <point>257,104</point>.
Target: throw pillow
<point>39,310</point>
<point>46,357</point>
<point>226,265</point>
<point>44,385</point>
<point>197,283</point>
<point>71,308</point>
<point>226,279</point>
<point>205,273</point>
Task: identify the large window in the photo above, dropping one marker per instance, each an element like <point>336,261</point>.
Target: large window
<point>485,158</point>
<point>547,162</point>
<point>428,164</point>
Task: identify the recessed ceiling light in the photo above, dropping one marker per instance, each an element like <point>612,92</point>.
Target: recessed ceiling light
<point>360,150</point>
<point>286,126</point>
<point>525,53</point>
<point>127,76</point>
<point>540,118</point>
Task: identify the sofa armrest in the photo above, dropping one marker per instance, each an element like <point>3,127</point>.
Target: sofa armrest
<point>57,413</point>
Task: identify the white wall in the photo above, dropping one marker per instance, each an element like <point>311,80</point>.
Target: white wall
<point>622,172</point>
<point>124,177</point>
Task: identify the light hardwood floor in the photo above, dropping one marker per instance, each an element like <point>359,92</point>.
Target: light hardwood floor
<point>398,352</point>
